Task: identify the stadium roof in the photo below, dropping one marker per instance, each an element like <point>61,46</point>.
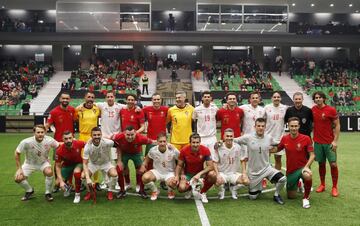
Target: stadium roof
<point>296,6</point>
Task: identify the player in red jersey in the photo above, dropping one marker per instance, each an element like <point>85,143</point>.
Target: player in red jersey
<point>191,162</point>
<point>63,118</point>
<point>326,135</point>
<point>299,157</point>
<point>131,116</point>
<point>230,117</point>
<point>69,162</point>
<point>129,144</point>
<point>156,118</point>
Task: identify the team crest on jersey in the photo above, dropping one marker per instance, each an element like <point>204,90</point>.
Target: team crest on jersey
<point>186,113</point>
<point>132,117</point>
<point>303,120</point>
<point>46,146</point>
<point>94,110</point>
<point>298,147</point>
<point>169,157</point>
<point>200,157</point>
<point>323,116</point>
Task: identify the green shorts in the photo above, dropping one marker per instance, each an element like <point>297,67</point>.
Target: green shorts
<point>293,179</point>
<point>323,152</point>
<point>67,171</point>
<point>148,147</point>
<point>136,158</point>
<point>189,176</point>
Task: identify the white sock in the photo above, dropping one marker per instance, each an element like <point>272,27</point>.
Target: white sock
<point>25,184</point>
<point>151,186</point>
<point>279,185</point>
<point>112,183</point>
<point>48,184</point>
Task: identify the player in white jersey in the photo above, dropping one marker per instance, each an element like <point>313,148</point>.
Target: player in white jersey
<point>257,154</point>
<point>252,112</point>
<point>227,160</point>
<point>205,117</point>
<point>164,162</point>
<point>275,124</point>
<point>97,156</point>
<point>36,150</point>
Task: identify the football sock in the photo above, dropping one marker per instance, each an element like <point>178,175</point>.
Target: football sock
<point>206,187</point>
<point>334,175</point>
<point>77,177</point>
<point>127,178</point>
<point>120,178</point>
<point>307,188</point>
<point>322,172</point>
<point>139,181</point>
<point>112,183</point>
<point>48,184</point>
<point>279,185</point>
<point>96,177</point>
<point>25,184</point>
<point>151,186</point>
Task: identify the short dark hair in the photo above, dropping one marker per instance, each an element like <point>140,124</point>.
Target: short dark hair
<point>129,128</point>
<point>131,95</point>
<point>228,130</point>
<point>194,136</point>
<point>155,94</point>
<point>89,93</point>
<point>294,119</point>
<point>95,129</point>
<point>260,120</point>
<point>230,93</point>
<point>278,92</point>
<point>320,93</point>
<point>65,93</point>
<point>67,132</point>
<point>207,92</point>
<point>253,93</point>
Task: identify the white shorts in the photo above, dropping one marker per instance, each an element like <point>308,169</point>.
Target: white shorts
<point>113,153</point>
<point>255,181</point>
<point>230,177</point>
<point>162,177</point>
<point>93,168</point>
<point>28,169</point>
<point>282,152</point>
<point>209,142</point>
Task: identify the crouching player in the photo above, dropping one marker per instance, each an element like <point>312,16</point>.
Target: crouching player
<point>258,146</point>
<point>164,162</point>
<point>227,163</point>
<point>36,151</point>
<point>68,162</point>
<point>299,157</point>
<point>191,163</point>
<point>97,156</point>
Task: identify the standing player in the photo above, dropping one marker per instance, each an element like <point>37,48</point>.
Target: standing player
<point>180,117</point>
<point>252,112</point>
<point>97,156</point>
<point>227,160</point>
<point>63,118</point>
<point>297,148</point>
<point>302,112</point>
<point>232,116</point>
<point>129,144</point>
<point>88,114</point>
<point>131,116</point>
<point>257,156</point>
<point>36,151</point>
<point>164,160</point>
<point>326,135</point>
<point>205,117</point>
<point>156,119</point>
<point>275,113</point>
<point>191,163</point>
<point>69,162</point>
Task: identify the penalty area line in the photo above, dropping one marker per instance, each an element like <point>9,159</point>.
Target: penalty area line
<point>202,213</point>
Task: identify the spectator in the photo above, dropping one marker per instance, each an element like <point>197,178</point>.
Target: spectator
<point>26,108</point>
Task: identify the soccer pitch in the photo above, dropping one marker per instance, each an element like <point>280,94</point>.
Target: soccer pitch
<point>325,210</point>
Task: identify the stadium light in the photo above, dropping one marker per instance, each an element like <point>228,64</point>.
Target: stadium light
<point>331,5</point>
<point>312,5</point>
<point>293,4</point>
<point>350,5</point>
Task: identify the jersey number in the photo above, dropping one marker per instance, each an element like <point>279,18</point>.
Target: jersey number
<point>231,160</point>
<point>163,164</point>
<point>111,114</point>
<point>276,117</point>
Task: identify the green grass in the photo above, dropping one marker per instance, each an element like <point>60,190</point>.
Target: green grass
<point>326,210</point>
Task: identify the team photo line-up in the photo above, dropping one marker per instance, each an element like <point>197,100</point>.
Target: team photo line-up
<point>194,160</point>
